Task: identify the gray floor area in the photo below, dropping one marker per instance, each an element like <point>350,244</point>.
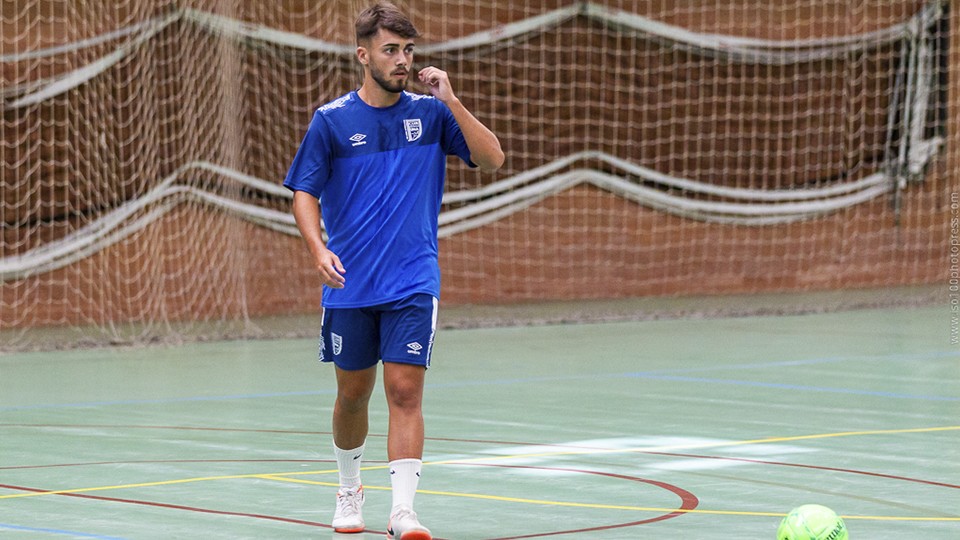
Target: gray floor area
<point>681,428</point>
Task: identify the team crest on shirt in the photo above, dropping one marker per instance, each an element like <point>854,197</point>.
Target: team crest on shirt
<point>413,128</point>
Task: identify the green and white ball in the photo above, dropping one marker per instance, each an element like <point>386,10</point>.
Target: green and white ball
<point>812,522</point>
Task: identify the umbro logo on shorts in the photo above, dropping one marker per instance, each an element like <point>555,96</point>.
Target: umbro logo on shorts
<point>337,343</point>
<point>414,348</point>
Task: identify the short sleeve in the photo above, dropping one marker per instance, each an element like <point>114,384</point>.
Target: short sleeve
<point>453,142</point>
<point>310,169</point>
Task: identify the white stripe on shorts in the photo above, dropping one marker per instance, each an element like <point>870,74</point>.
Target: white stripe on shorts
<point>323,312</point>
<point>433,329</point>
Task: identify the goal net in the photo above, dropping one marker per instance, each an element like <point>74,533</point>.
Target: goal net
<point>653,149</point>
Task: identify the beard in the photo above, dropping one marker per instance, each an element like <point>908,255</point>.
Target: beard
<point>389,85</point>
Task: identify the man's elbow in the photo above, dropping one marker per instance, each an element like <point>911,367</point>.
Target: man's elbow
<point>491,162</point>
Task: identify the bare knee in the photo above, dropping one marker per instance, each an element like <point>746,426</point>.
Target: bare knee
<point>353,399</point>
<point>404,397</point>
<point>354,390</point>
<point>404,388</point>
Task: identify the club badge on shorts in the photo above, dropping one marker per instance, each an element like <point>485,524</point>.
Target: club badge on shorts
<point>337,343</point>
<point>413,128</point>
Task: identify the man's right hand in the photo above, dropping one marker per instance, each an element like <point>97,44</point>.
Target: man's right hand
<point>331,270</point>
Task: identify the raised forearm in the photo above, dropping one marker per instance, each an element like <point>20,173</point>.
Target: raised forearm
<point>485,150</point>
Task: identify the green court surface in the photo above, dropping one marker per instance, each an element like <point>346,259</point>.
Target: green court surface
<point>680,429</point>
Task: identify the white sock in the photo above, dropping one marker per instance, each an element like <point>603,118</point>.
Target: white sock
<point>348,464</point>
<point>404,478</point>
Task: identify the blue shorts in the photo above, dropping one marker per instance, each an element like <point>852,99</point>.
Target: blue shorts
<point>400,331</point>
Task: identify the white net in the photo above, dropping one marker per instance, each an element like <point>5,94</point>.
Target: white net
<point>653,148</point>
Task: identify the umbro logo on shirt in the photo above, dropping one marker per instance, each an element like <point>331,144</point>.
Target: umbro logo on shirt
<point>412,129</point>
<point>358,139</point>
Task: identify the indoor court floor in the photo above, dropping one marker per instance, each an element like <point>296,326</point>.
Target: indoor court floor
<point>680,429</point>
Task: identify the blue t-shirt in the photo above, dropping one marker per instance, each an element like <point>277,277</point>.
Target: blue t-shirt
<point>379,175</point>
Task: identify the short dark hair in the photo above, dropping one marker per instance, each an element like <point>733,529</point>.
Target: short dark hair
<point>387,16</point>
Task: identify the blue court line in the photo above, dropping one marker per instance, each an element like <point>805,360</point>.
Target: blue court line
<point>824,360</point>
<point>74,534</point>
<point>680,378</point>
<point>674,375</point>
<point>784,386</point>
<point>664,374</point>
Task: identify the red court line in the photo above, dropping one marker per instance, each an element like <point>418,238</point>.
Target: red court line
<point>817,467</point>
<point>296,432</point>
<point>471,441</point>
<point>154,461</point>
<point>172,506</point>
<point>687,497</point>
<point>689,501</point>
<point>178,428</point>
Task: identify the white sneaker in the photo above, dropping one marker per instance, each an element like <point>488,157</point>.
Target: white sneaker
<point>348,517</point>
<point>404,525</point>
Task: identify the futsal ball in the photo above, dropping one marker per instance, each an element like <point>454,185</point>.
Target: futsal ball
<point>812,522</point>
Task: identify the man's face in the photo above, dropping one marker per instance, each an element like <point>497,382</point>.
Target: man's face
<point>389,58</point>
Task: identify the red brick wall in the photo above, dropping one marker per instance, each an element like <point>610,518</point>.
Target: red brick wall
<point>584,243</point>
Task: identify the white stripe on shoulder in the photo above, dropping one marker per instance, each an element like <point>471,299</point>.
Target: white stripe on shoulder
<point>337,103</point>
<point>417,97</point>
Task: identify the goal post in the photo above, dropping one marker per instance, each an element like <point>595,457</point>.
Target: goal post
<point>653,149</point>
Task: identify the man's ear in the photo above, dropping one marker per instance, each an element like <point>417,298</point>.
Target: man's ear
<point>362,55</point>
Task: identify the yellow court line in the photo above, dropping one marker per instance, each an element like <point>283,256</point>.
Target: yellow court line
<point>288,476</point>
<point>647,449</point>
<point>127,486</point>
<point>901,518</point>
<point>161,483</point>
<point>284,477</point>
<point>697,446</point>
<point>281,477</point>
<point>596,506</point>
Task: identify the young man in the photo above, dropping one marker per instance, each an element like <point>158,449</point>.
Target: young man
<point>375,159</point>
